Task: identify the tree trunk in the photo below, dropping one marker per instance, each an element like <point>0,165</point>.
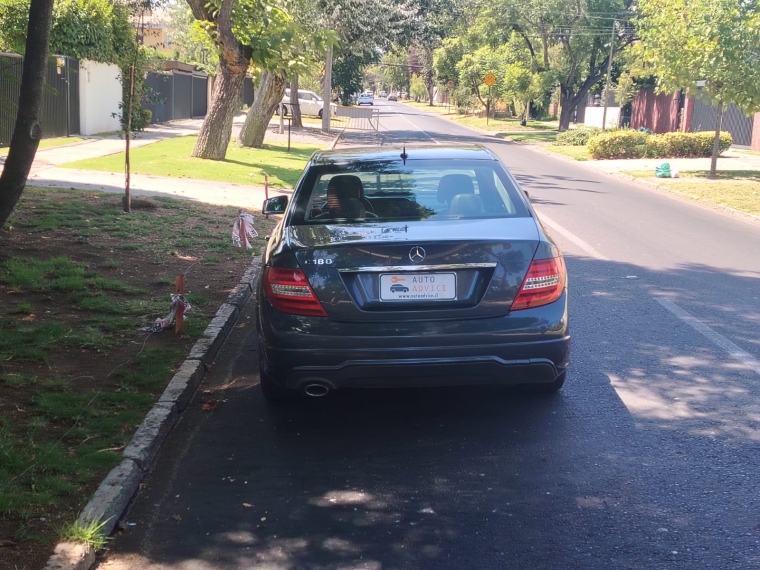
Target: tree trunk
<point>271,92</point>
<point>431,95</point>
<point>568,103</point>
<point>216,130</point>
<point>28,131</point>
<point>716,142</point>
<point>295,109</point>
<point>228,87</point>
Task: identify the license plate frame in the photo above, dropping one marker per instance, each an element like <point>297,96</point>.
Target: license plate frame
<point>427,287</point>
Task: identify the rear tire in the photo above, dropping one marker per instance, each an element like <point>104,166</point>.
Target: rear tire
<point>319,114</point>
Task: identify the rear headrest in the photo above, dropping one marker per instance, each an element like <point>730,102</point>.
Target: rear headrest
<point>452,184</point>
<point>345,186</point>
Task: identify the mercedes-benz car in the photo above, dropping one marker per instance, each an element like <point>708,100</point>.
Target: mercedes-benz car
<point>421,266</point>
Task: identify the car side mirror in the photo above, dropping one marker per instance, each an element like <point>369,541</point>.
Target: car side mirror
<point>274,205</point>
<point>527,195</point>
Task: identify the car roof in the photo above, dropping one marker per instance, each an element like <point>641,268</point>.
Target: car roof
<point>393,153</point>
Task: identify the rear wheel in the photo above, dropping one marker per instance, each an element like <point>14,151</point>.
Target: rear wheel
<point>319,114</point>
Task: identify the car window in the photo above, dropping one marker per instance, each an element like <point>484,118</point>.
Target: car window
<point>418,190</point>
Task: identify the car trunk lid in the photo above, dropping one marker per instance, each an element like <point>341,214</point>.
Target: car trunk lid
<point>425,270</point>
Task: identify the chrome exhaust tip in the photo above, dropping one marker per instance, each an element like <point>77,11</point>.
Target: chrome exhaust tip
<point>316,390</point>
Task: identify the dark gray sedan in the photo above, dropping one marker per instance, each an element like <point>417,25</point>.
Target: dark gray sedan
<point>423,266</point>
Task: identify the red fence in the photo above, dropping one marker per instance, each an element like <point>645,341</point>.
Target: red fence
<point>656,112</point>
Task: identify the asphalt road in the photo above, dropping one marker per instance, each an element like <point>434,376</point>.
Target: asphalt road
<point>648,459</point>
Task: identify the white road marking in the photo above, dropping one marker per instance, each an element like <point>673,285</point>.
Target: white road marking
<point>573,238</point>
<point>715,337</point>
<point>419,129</point>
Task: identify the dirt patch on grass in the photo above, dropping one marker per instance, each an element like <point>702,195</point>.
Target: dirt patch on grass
<point>78,280</point>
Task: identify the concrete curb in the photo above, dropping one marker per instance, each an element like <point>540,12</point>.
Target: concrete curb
<point>116,491</point>
<point>653,186</point>
<point>335,141</point>
<point>71,556</point>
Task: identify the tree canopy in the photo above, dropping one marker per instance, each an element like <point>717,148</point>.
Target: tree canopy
<point>99,30</point>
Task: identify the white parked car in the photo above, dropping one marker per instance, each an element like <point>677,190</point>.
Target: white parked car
<point>382,94</point>
<point>309,102</point>
<point>366,99</point>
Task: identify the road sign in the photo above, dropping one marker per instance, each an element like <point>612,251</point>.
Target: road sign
<point>489,79</point>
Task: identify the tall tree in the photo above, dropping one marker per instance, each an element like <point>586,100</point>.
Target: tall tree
<point>569,37</point>
<point>397,70</point>
<point>28,130</point>
<point>297,49</point>
<point>717,43</point>
<point>271,90</point>
<point>234,58</point>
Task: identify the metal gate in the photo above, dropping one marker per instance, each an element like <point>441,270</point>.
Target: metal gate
<point>175,95</point>
<point>59,115</point>
<point>200,95</point>
<point>735,121</point>
<point>158,96</point>
<point>183,96</point>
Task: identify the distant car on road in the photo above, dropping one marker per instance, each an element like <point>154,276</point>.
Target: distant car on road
<point>487,295</point>
<point>382,94</point>
<point>366,99</point>
<point>392,97</point>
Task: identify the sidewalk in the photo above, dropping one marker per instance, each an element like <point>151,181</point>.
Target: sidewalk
<point>97,147</point>
<point>46,172</point>
<point>220,193</point>
<point>103,146</point>
<point>730,160</point>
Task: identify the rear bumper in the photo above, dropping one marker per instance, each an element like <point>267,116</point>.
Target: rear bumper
<point>525,347</point>
<point>427,368</point>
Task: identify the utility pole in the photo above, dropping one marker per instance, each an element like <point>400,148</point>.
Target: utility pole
<point>327,91</point>
<point>609,69</point>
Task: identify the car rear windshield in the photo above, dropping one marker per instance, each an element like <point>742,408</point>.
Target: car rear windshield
<point>419,190</point>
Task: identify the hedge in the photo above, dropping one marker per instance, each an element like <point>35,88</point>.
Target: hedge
<point>576,137</point>
<point>634,144</point>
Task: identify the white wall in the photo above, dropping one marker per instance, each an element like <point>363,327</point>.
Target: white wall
<point>99,97</point>
<point>594,117</point>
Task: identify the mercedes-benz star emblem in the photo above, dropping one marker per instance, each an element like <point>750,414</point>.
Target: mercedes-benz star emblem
<point>417,254</point>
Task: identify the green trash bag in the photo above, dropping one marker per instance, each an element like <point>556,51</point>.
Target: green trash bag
<point>663,170</point>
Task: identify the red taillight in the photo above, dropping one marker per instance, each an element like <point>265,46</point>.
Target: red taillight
<point>543,284</point>
<point>289,291</point>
